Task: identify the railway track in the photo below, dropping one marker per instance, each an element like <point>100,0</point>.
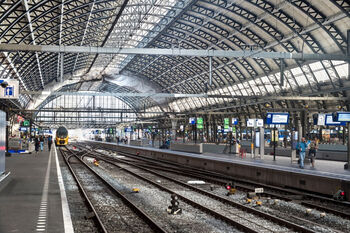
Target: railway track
<point>308,200</point>
<point>110,209</point>
<point>244,215</point>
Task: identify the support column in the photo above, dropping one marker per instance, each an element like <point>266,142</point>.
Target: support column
<point>303,124</point>
<point>299,124</point>
<point>275,131</point>
<point>346,166</point>
<point>62,67</point>
<point>173,128</point>
<point>207,128</point>
<point>7,133</point>
<point>30,130</point>
<point>3,140</point>
<point>262,142</point>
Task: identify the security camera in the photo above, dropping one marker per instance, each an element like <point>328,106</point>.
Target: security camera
<point>4,84</point>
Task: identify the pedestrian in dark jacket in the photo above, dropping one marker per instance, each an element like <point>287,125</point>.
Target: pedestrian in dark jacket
<point>37,144</point>
<point>49,142</point>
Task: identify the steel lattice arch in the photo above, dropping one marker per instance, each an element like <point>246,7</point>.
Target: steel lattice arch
<point>294,26</point>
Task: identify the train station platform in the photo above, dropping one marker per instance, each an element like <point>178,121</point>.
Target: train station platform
<point>326,178</point>
<point>326,168</point>
<point>32,197</point>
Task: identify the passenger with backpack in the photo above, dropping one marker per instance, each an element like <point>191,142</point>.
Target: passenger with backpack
<point>312,152</point>
<point>302,146</point>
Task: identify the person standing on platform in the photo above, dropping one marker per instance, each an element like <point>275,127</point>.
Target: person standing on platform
<point>49,142</point>
<point>312,152</point>
<point>41,143</point>
<point>301,146</point>
<point>36,144</point>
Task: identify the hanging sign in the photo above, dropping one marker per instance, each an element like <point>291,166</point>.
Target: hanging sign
<point>277,118</point>
<point>329,121</point>
<point>9,89</point>
<point>341,116</point>
<point>234,121</point>
<point>192,120</point>
<point>251,123</point>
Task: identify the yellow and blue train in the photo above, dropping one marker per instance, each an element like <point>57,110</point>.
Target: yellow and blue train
<point>61,136</point>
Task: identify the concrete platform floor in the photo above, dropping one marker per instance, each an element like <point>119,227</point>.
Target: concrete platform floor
<point>326,168</point>
<point>31,199</point>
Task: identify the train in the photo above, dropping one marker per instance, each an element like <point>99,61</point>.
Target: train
<point>61,136</point>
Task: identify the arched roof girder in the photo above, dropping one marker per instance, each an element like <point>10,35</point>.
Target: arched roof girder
<point>163,34</point>
<point>129,101</point>
<point>268,28</point>
<point>238,43</point>
<point>311,12</point>
<point>161,68</point>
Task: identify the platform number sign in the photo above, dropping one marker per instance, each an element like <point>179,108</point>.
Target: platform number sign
<point>10,90</point>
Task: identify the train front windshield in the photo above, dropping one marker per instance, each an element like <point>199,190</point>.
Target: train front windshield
<point>62,132</point>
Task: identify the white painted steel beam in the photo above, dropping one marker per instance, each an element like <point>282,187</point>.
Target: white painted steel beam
<point>185,95</point>
<point>171,52</point>
<point>14,69</point>
<point>26,7</point>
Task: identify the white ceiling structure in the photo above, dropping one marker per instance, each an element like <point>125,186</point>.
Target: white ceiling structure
<point>294,26</point>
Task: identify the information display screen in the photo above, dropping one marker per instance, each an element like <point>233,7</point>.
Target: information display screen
<point>329,121</point>
<point>277,118</point>
<point>343,116</point>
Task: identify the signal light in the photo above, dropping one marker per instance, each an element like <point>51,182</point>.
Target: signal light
<point>229,185</point>
<point>339,195</point>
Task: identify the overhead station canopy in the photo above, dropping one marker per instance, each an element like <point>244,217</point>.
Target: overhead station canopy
<point>298,27</point>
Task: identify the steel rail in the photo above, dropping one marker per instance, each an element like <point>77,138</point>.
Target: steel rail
<point>186,200</point>
<point>247,209</point>
<point>147,219</point>
<point>210,177</point>
<point>251,189</point>
<point>89,204</point>
<point>221,176</point>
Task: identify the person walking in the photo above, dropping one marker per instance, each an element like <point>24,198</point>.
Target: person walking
<point>36,144</point>
<point>312,152</point>
<point>41,143</point>
<point>49,142</point>
<point>301,146</point>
